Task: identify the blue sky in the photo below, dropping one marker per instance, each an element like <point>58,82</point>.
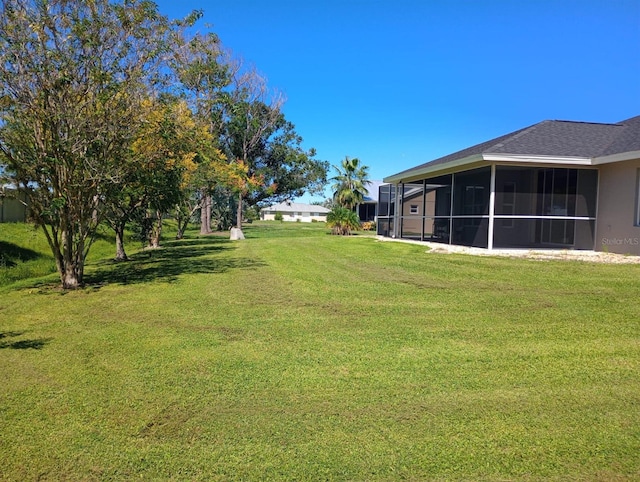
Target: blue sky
<point>397,83</point>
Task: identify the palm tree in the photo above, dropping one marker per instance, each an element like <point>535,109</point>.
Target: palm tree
<point>350,184</point>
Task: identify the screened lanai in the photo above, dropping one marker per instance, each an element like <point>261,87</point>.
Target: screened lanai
<point>495,206</point>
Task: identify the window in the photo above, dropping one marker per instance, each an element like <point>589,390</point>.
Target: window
<point>471,196</point>
<point>474,200</point>
<point>413,209</point>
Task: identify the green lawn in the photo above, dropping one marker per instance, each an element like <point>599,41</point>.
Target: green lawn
<point>295,355</point>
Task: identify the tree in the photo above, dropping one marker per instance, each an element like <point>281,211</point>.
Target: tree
<point>264,155</point>
<point>250,117</point>
<point>350,184</point>
<point>286,169</point>
<point>72,77</point>
<point>203,69</point>
<point>168,151</point>
<point>258,138</point>
<point>198,184</point>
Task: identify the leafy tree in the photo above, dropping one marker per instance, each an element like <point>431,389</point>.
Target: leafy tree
<point>203,70</point>
<point>287,170</point>
<point>350,184</point>
<point>250,117</point>
<point>165,154</point>
<point>123,203</point>
<point>265,146</point>
<point>72,78</point>
<point>198,184</point>
<point>342,220</point>
<point>264,156</point>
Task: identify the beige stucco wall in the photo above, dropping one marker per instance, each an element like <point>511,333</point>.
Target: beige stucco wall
<point>12,210</point>
<point>304,217</point>
<point>616,231</point>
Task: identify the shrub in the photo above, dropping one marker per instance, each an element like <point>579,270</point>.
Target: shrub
<point>342,221</point>
<point>368,226</point>
<point>278,217</point>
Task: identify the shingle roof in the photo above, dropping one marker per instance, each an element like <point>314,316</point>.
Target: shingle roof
<point>555,138</point>
<point>372,188</point>
<point>628,140</point>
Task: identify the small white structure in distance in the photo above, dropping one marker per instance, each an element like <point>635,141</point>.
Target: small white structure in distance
<point>295,212</point>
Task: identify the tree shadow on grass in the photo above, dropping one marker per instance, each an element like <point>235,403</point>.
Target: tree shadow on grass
<point>208,241</point>
<point>168,263</point>
<point>34,344</point>
<point>11,253</point>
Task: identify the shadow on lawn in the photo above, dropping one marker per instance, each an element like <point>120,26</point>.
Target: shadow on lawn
<point>10,253</point>
<point>174,258</point>
<point>35,344</point>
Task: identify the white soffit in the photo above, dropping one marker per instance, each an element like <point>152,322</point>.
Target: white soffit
<point>412,175</point>
<point>624,156</point>
<point>528,159</point>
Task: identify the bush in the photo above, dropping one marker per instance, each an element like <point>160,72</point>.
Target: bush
<point>342,221</point>
<point>368,226</point>
<point>278,217</point>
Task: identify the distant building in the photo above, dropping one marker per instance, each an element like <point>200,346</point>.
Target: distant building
<point>294,212</point>
<point>12,206</point>
<point>368,209</point>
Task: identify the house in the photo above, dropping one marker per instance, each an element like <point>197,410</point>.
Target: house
<point>13,206</point>
<point>294,212</point>
<point>368,209</point>
<point>556,184</point>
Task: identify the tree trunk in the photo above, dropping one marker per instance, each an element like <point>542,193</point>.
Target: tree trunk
<point>156,231</point>
<point>239,212</point>
<point>236,233</point>
<point>183,219</point>
<point>120,253</point>
<point>70,265</point>
<point>205,214</point>
<point>182,227</point>
<point>70,278</point>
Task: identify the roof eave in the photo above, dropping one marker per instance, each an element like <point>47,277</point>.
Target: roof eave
<point>623,156</point>
<point>418,173</point>
<point>538,159</point>
<point>414,174</point>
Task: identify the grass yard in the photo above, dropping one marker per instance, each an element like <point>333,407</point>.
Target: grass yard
<point>295,355</point>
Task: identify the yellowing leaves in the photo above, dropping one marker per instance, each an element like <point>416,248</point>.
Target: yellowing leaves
<point>169,136</point>
<point>236,176</point>
<point>170,139</point>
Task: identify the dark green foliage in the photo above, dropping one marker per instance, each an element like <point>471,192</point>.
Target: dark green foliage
<point>343,220</point>
<point>350,184</point>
